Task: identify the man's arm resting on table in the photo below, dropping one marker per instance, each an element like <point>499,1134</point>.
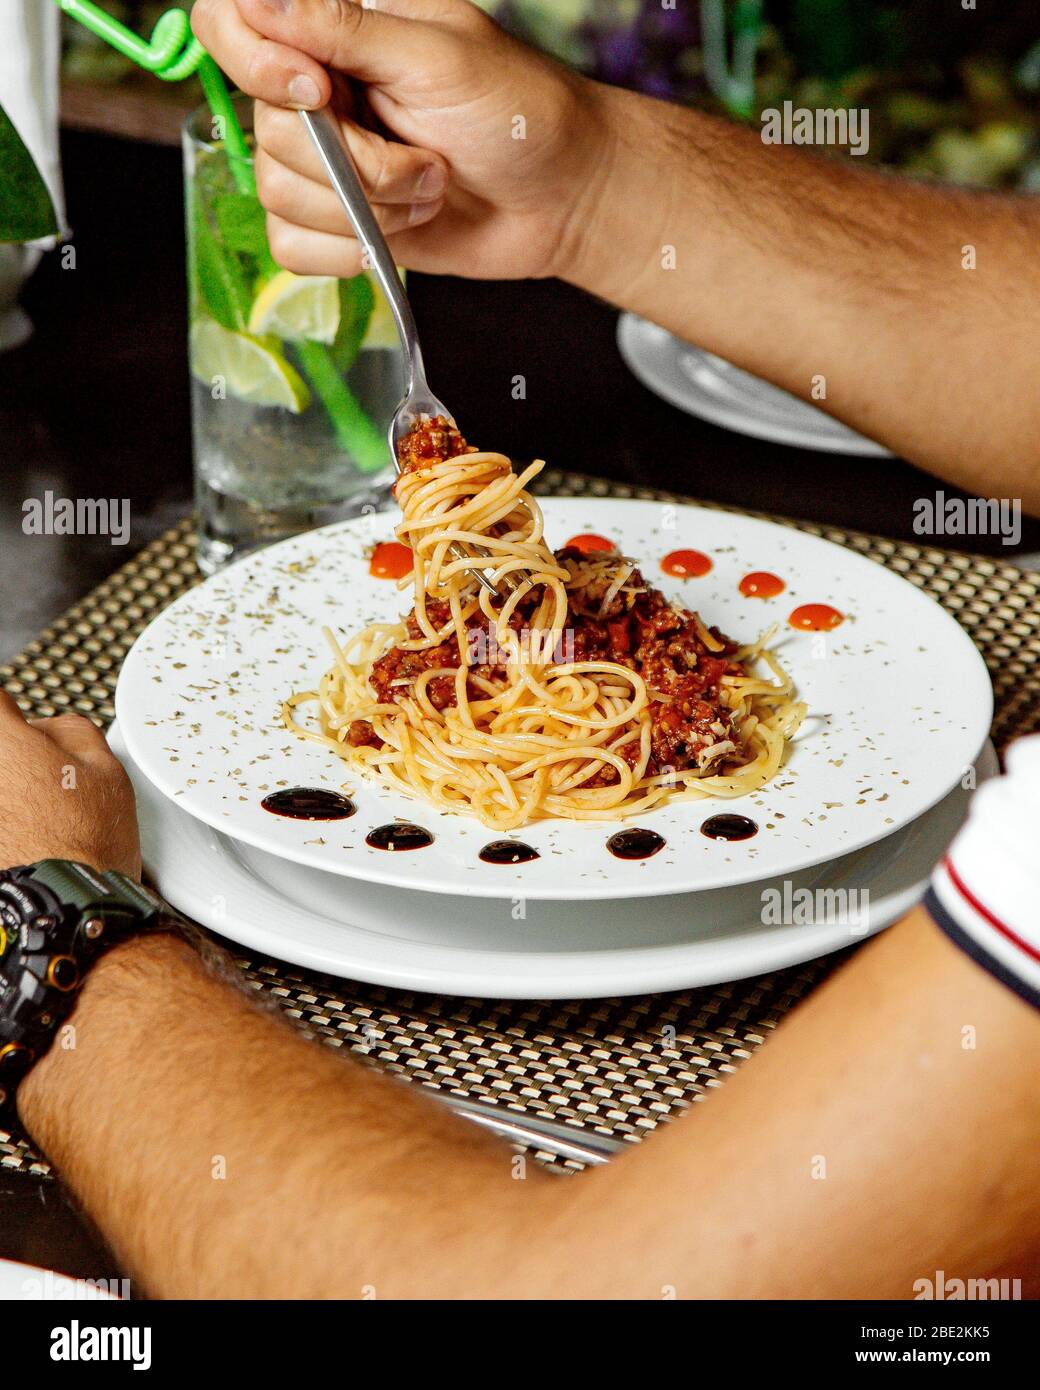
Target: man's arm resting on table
<point>864,1148</point>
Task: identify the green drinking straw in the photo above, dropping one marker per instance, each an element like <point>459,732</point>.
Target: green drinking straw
<point>173,53</point>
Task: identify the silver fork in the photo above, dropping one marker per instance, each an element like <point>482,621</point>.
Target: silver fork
<point>419,400</point>
<point>566,1141</point>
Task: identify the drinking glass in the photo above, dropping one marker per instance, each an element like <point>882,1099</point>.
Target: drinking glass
<point>294,378</point>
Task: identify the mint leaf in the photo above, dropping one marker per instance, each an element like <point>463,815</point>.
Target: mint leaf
<point>222,285</point>
<point>241,224</point>
<point>230,254</point>
<point>26,210</point>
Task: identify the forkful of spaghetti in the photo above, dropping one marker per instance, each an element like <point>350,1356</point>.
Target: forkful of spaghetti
<point>457,502</point>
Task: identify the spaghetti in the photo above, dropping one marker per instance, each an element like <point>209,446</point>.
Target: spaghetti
<point>581,692</point>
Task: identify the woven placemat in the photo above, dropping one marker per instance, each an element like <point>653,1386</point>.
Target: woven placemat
<point>619,1066</point>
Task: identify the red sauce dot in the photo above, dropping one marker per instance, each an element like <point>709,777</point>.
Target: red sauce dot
<point>761,584</point>
<point>686,564</point>
<point>587,542</point>
<point>390,560</point>
<point>816,617</point>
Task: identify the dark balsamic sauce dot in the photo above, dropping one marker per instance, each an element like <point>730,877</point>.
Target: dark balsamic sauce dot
<point>729,827</point>
<point>508,852</point>
<point>309,803</point>
<point>398,836</point>
<point>635,843</point>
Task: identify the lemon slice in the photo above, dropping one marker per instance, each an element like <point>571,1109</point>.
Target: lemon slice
<point>249,369</point>
<point>297,307</point>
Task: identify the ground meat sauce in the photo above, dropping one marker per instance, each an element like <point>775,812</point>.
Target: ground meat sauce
<point>639,628</point>
<point>431,441</point>
<point>393,675</point>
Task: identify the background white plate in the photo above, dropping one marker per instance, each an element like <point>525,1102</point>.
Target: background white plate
<point>712,389</point>
<point>468,946</point>
<point>900,702</point>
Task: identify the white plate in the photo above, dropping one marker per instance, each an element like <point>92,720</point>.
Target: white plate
<point>554,950</point>
<point>712,389</point>
<point>899,695</point>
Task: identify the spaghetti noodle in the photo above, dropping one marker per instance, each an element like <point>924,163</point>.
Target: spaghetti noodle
<point>581,692</point>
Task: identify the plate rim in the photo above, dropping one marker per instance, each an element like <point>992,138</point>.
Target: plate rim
<point>370,870</point>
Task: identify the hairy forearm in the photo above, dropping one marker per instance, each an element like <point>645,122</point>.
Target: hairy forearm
<point>801,268</point>
<point>221,1154</point>
<point>886,1132</point>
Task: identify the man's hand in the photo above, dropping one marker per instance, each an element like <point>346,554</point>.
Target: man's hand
<point>497,143</point>
<point>63,794</point>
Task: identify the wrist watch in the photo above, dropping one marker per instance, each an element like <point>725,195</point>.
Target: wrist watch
<point>57,917</point>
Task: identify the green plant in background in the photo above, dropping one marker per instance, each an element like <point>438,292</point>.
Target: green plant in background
<point>733,80</point>
<point>831,38</point>
<point>953,101</point>
<point>26,210</point>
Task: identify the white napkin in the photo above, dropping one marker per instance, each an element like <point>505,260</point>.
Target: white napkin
<point>30,54</point>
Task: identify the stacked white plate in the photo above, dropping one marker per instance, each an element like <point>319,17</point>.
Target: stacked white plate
<point>715,390</point>
<point>875,784</point>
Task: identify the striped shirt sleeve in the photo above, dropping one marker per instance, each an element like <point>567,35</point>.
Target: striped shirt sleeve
<point>985,895</point>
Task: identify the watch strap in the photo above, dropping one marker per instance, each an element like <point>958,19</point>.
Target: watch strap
<point>57,917</point>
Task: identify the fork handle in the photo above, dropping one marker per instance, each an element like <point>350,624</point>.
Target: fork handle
<point>325,132</point>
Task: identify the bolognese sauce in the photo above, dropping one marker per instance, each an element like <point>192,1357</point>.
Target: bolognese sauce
<point>681,660</point>
<point>431,440</point>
